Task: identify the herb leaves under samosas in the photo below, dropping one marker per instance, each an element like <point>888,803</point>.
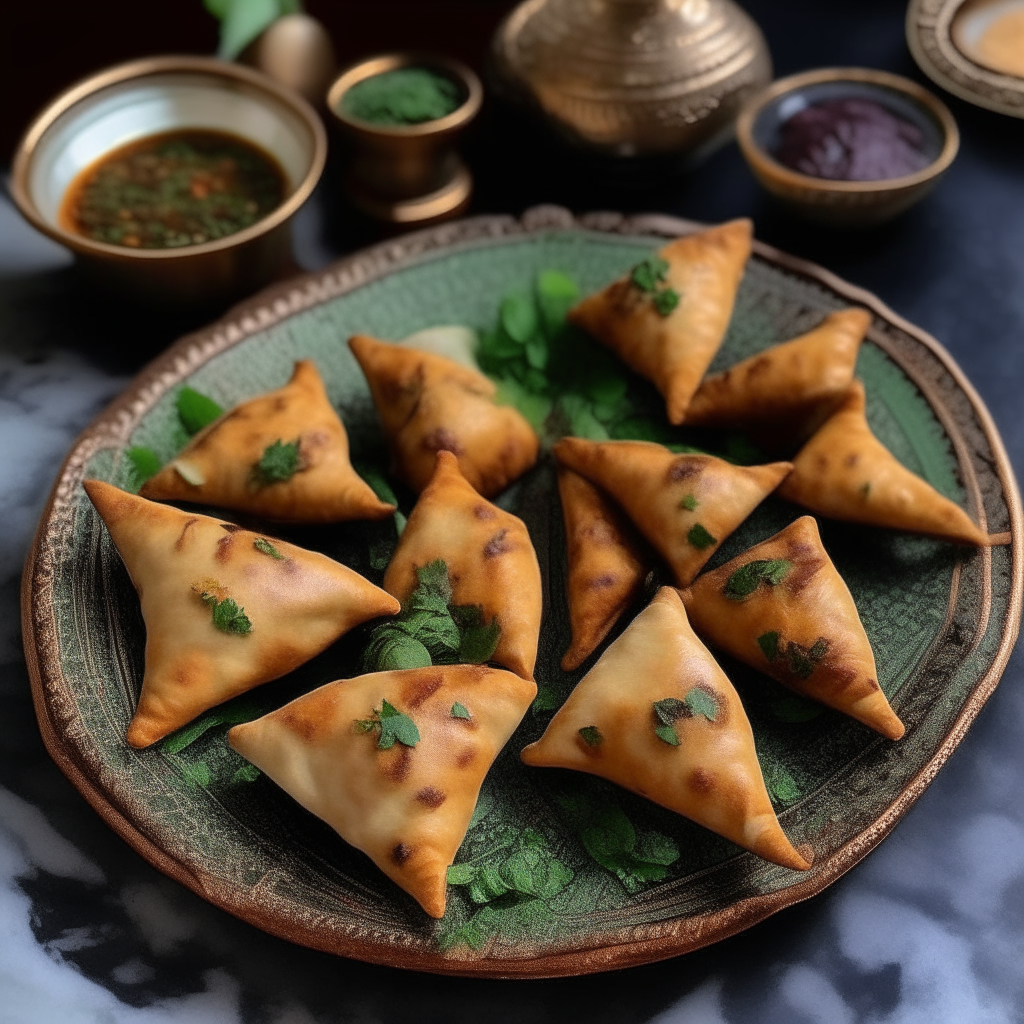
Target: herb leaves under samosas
<point>196,410</point>
<point>430,630</point>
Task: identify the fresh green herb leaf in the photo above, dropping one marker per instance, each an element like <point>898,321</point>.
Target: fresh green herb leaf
<point>649,274</point>
<point>537,353</point>
<point>700,702</point>
<point>229,618</point>
<point>700,538</point>
<point>667,734</point>
<point>196,410</point>
<point>769,644</point>
<point>460,711</point>
<point>243,20</point>
<point>556,295</point>
<point>264,546</point>
<point>803,662</point>
<point>670,710</point>
<point>461,874</point>
<point>518,317</point>
<point>547,699</point>
<point>665,301</point>
<point>747,578</point>
<point>432,579</point>
<point>232,713</point>
<point>390,648</point>
<point>689,503</point>
<point>197,774</point>
<point>581,419</point>
<point>591,735</point>
<point>479,642</point>
<point>393,725</point>
<point>247,773</point>
<point>145,463</point>
<point>781,786</point>
<point>279,462</point>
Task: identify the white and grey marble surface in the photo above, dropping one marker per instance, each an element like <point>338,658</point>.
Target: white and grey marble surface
<point>929,929</point>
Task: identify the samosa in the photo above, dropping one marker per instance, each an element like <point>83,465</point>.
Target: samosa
<point>658,716</point>
<point>393,761</point>
<point>283,455</point>
<point>225,609</point>
<point>783,608</point>
<point>667,318</point>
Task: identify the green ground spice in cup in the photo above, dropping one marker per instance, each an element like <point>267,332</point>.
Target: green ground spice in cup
<point>402,96</point>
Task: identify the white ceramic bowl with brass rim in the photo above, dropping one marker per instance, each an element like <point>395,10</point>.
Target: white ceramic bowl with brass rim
<point>843,203</point>
<point>162,94</point>
<point>408,174</point>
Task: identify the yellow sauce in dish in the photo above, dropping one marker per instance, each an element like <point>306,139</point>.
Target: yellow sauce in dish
<point>1001,46</point>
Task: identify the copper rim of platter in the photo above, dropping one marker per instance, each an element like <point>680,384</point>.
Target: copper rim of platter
<point>614,950</point>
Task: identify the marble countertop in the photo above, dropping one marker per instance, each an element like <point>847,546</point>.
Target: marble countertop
<point>929,928</point>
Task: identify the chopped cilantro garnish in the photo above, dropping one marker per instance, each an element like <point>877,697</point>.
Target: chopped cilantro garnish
<point>279,462</point>
<point>228,617</point>
<point>747,578</point>
<point>700,538</point>
<point>650,273</point>
<point>392,726</point>
<point>591,735</point>
<point>665,301</point>
<point>263,545</point>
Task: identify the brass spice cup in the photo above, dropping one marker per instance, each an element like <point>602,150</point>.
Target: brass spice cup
<point>408,174</point>
<point>160,94</point>
<point>849,204</point>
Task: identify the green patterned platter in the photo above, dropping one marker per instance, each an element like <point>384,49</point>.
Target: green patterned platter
<point>572,875</point>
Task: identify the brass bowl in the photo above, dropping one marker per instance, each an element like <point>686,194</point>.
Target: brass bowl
<point>408,174</point>
<point>158,94</point>
<point>845,203</point>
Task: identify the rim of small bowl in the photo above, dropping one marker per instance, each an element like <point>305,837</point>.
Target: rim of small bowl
<point>381,63</point>
<point>139,70</point>
<point>763,161</point>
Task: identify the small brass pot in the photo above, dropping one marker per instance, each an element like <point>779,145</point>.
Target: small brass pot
<point>161,94</point>
<point>850,204</point>
<point>408,174</point>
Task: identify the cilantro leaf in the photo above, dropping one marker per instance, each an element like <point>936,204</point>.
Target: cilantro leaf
<point>145,463</point>
<point>461,874</point>
<point>689,503</point>
<point>196,410</point>
<point>591,735</point>
<point>460,711</point>
<point>699,537</point>
<point>279,462</point>
<point>395,726</point>
<point>747,578</point>
<point>665,301</point>
<point>700,702</point>
<point>231,713</point>
<point>263,545</point>
<point>649,274</point>
<point>229,618</point>
<point>518,317</point>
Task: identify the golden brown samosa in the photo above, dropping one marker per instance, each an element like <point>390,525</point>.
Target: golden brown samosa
<point>787,384</point>
<point>225,609</point>
<point>607,564</point>
<point>685,505</point>
<point>845,472</point>
<point>783,608</point>
<point>283,455</point>
<point>490,558</point>
<point>393,761</point>
<point>672,344</point>
<point>428,403</point>
<point>658,716</point>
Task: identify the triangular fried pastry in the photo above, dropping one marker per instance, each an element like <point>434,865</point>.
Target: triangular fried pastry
<point>225,609</point>
<point>312,481</point>
<point>783,608</point>
<point>673,347</point>
<point>428,403</point>
<point>607,564</point>
<point>343,753</point>
<point>685,505</point>
<point>658,716</point>
<point>490,558</point>
<point>788,383</point>
<point>845,472</point>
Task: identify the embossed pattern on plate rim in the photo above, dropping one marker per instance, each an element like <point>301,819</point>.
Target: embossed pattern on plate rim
<point>671,937</point>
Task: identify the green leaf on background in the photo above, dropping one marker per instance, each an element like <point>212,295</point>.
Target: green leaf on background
<point>536,408</point>
<point>581,419</point>
<point>242,21</point>
<point>145,463</point>
<point>461,874</point>
<point>196,410</point>
<point>391,649</point>
<point>689,503</point>
<point>518,316</point>
<point>537,353</point>
<point>479,642</point>
<point>432,578</point>
<point>556,295</point>
<point>667,734</point>
<point>247,773</point>
<point>197,774</point>
<point>547,699</point>
<point>228,714</point>
<point>782,787</point>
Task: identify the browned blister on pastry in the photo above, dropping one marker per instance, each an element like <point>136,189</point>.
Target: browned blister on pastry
<point>220,466</point>
<point>490,558</point>
<point>845,472</point>
<point>787,384</point>
<point>685,505</point>
<point>428,403</point>
<point>674,349</point>
<point>658,716</point>
<point>607,564</point>
<point>406,806</point>
<point>286,605</point>
<point>783,608</point>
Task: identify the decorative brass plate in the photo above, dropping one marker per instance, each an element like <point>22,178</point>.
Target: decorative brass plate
<point>942,621</point>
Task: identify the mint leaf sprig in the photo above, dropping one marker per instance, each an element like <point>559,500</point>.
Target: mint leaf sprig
<point>747,578</point>
<point>391,726</point>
